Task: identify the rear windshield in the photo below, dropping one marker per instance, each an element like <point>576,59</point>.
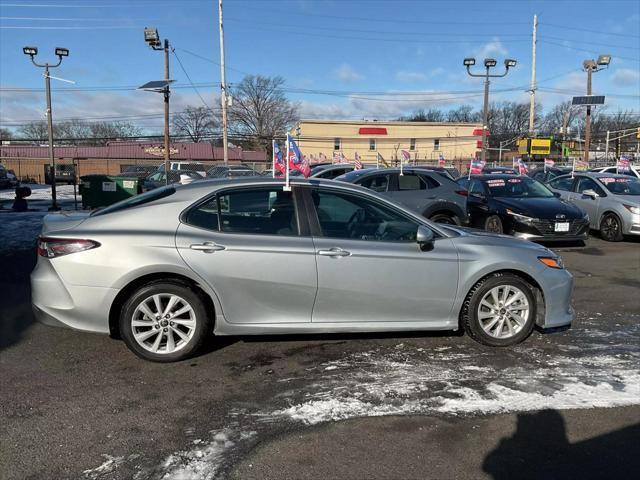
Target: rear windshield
<point>137,200</point>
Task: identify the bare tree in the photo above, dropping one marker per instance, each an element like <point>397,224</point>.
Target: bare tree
<point>103,132</point>
<point>261,110</point>
<point>464,114</point>
<point>431,115</point>
<point>558,117</point>
<point>196,123</point>
<point>5,134</point>
<point>36,131</point>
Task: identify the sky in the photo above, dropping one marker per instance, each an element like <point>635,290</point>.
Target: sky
<point>350,59</point>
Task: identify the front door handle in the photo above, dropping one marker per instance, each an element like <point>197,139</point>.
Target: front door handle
<point>207,247</point>
<point>334,252</point>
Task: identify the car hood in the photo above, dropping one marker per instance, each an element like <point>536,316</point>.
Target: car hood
<point>540,207</point>
<point>630,199</point>
<point>55,222</point>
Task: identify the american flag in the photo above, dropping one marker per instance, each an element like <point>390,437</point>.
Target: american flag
<point>580,165</point>
<point>522,167</point>
<point>623,165</point>
<point>357,164</point>
<point>336,157</point>
<point>297,161</point>
<point>441,161</point>
<point>405,155</point>
<point>548,162</point>
<point>476,166</point>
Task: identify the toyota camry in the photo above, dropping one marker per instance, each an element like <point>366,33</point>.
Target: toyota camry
<point>165,269</point>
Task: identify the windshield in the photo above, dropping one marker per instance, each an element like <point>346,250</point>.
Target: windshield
<point>518,187</point>
<point>621,185</point>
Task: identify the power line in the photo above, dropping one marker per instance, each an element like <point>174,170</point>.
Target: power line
<point>590,43</point>
<point>636,59</point>
<point>579,29</point>
<point>173,50</point>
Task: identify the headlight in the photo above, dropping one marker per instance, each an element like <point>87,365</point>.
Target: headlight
<point>632,209</point>
<point>519,217</point>
<point>552,262</point>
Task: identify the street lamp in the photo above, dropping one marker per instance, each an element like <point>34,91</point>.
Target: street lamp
<point>488,64</point>
<point>591,66</point>
<point>152,38</point>
<point>60,52</point>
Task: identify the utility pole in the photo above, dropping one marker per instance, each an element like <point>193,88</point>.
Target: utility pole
<point>606,147</point>
<point>488,63</point>
<point>60,52</point>
<point>532,104</point>
<point>223,90</point>
<point>167,153</point>
<point>589,66</point>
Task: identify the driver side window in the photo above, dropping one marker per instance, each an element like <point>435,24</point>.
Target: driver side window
<point>348,216</point>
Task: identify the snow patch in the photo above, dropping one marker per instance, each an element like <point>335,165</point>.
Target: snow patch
<point>19,229</point>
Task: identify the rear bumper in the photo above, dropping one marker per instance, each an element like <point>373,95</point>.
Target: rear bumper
<point>73,306</point>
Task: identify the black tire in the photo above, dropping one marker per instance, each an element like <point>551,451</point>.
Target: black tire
<point>445,218</point>
<point>200,333</point>
<point>469,314</point>
<point>611,228</point>
<point>493,224</point>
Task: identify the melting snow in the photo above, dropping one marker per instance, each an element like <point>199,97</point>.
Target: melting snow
<point>19,229</point>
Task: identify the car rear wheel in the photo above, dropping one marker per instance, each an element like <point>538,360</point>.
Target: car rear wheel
<point>500,310</point>
<point>445,218</point>
<point>164,322</point>
<point>493,224</point>
<point>611,228</point>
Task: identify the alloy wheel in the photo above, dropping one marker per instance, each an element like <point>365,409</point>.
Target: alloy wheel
<point>610,227</point>
<point>503,311</point>
<point>163,323</point>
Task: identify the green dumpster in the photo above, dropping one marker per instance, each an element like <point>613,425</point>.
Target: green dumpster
<point>104,190</point>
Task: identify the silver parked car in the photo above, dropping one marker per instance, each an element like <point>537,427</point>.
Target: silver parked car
<point>431,193</point>
<point>612,201</point>
<point>165,269</point>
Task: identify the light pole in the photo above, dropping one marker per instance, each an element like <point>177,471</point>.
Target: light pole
<point>153,40</point>
<point>591,66</point>
<point>488,63</point>
<point>60,52</point>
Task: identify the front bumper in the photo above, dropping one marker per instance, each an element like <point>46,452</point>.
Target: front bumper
<point>557,290</point>
<point>544,230</point>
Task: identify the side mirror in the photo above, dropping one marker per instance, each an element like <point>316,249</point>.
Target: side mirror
<point>425,238</point>
<point>590,193</point>
<point>557,194</point>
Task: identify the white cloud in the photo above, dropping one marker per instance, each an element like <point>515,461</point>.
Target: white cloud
<point>345,73</point>
<point>406,76</point>
<point>625,77</point>
<point>492,49</point>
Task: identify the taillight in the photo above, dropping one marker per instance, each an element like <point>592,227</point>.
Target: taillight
<point>464,193</point>
<point>56,247</point>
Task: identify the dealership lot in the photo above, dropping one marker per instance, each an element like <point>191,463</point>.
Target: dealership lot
<point>76,405</point>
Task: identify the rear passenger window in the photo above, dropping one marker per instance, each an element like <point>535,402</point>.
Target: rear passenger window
<point>258,212</point>
<point>205,215</point>
<point>411,182</point>
<point>378,183</point>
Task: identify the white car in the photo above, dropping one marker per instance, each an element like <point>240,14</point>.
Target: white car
<point>634,170</point>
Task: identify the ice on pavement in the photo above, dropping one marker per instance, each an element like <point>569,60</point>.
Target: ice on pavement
<point>41,192</point>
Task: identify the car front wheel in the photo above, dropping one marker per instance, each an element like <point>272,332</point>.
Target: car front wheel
<point>500,310</point>
<point>164,322</point>
<point>493,224</point>
<point>611,228</point>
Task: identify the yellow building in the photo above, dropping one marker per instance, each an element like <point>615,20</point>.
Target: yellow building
<point>425,141</point>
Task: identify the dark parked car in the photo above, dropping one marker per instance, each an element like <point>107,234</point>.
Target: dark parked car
<point>4,178</point>
<point>503,170</point>
<point>140,171</point>
<point>543,176</point>
<point>158,179</point>
<point>65,173</point>
<point>331,171</point>
<point>231,171</point>
<point>429,193</point>
<point>523,207</point>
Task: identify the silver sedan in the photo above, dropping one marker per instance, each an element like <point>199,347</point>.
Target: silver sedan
<point>167,268</point>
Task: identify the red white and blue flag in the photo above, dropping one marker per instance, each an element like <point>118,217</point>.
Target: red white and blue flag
<point>476,166</point>
<point>522,167</point>
<point>548,163</point>
<point>441,161</point>
<point>406,156</point>
<point>296,160</point>
<point>623,165</point>
<point>278,163</point>
<point>357,163</point>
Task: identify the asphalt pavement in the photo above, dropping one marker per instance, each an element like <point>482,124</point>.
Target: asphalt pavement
<point>562,405</point>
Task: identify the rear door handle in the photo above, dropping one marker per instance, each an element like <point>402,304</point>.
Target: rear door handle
<point>334,252</point>
<point>207,247</point>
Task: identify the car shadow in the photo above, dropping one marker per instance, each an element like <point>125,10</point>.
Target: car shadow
<point>540,449</point>
<point>16,315</point>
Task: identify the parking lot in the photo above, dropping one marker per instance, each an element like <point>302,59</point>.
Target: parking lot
<point>76,405</point>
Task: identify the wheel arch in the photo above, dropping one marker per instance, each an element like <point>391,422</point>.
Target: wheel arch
<point>126,291</point>
<point>444,208</point>
<point>538,292</point>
